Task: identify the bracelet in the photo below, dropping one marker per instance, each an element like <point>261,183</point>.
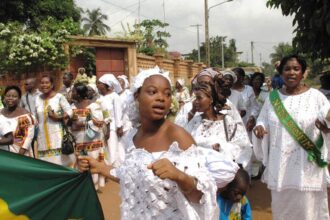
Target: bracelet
<point>187,192</point>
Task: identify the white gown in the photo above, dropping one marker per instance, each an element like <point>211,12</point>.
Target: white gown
<point>146,196</point>
<point>288,172</point>
<point>235,145</point>
<point>113,113</point>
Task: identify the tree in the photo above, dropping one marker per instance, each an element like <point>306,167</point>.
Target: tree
<point>153,38</point>
<point>281,50</point>
<point>230,52</point>
<point>312,21</point>
<point>94,23</point>
<point>25,51</point>
<point>268,69</point>
<point>32,13</point>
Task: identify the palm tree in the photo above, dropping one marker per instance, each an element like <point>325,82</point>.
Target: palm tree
<point>94,23</point>
<point>281,50</point>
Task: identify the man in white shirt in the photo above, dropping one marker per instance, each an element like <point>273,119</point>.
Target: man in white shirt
<point>29,98</point>
<point>66,90</point>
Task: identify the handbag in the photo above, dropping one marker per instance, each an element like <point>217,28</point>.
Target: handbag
<point>89,131</point>
<point>68,141</point>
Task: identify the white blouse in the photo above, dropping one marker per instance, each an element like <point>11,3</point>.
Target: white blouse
<point>234,145</point>
<point>146,196</point>
<point>286,161</point>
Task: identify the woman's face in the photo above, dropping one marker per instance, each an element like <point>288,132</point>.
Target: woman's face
<point>292,73</point>
<point>204,79</point>
<point>257,82</point>
<point>74,94</point>
<point>46,85</point>
<point>11,98</point>
<point>122,83</point>
<point>154,98</point>
<point>228,81</point>
<point>103,89</point>
<point>202,102</point>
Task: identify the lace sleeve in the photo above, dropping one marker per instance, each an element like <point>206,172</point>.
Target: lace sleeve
<point>193,162</point>
<point>260,146</point>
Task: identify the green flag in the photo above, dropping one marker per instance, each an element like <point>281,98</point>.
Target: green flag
<point>35,189</point>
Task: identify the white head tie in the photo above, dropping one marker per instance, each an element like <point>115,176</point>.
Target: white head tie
<point>205,72</point>
<point>125,79</point>
<point>231,73</point>
<point>144,74</point>
<point>180,81</point>
<point>110,80</point>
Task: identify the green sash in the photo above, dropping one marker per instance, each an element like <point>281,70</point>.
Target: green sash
<point>313,150</point>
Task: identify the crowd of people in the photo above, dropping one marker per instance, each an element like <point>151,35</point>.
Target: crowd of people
<point>199,165</point>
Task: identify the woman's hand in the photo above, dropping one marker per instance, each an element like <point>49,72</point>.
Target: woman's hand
<point>56,117</point>
<point>322,126</point>
<point>216,147</point>
<point>250,123</point>
<point>86,163</point>
<point>260,131</point>
<point>52,115</point>
<point>120,132</point>
<point>164,169</point>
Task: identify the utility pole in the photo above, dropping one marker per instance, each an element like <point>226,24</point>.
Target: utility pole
<point>139,11</point>
<point>164,10</point>
<point>198,44</point>
<point>252,47</point>
<point>260,56</point>
<point>207,38</point>
<point>222,54</point>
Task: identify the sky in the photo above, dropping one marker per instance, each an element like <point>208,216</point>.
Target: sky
<point>242,20</point>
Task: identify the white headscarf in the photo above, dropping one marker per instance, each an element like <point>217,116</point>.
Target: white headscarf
<point>205,72</point>
<point>229,72</point>
<point>137,83</point>
<point>110,80</point>
<point>180,81</point>
<point>125,79</point>
<point>144,74</point>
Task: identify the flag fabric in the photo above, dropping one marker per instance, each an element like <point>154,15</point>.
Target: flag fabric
<point>35,189</point>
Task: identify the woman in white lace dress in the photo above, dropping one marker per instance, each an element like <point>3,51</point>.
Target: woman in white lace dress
<point>215,128</point>
<point>164,174</point>
<point>297,182</point>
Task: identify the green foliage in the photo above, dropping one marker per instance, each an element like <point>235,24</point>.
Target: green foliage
<point>32,13</point>
<point>243,64</point>
<point>281,50</point>
<point>268,69</point>
<point>94,23</point>
<point>87,55</point>
<point>285,49</point>
<point>151,39</point>
<point>312,22</point>
<point>24,51</point>
<point>230,52</point>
